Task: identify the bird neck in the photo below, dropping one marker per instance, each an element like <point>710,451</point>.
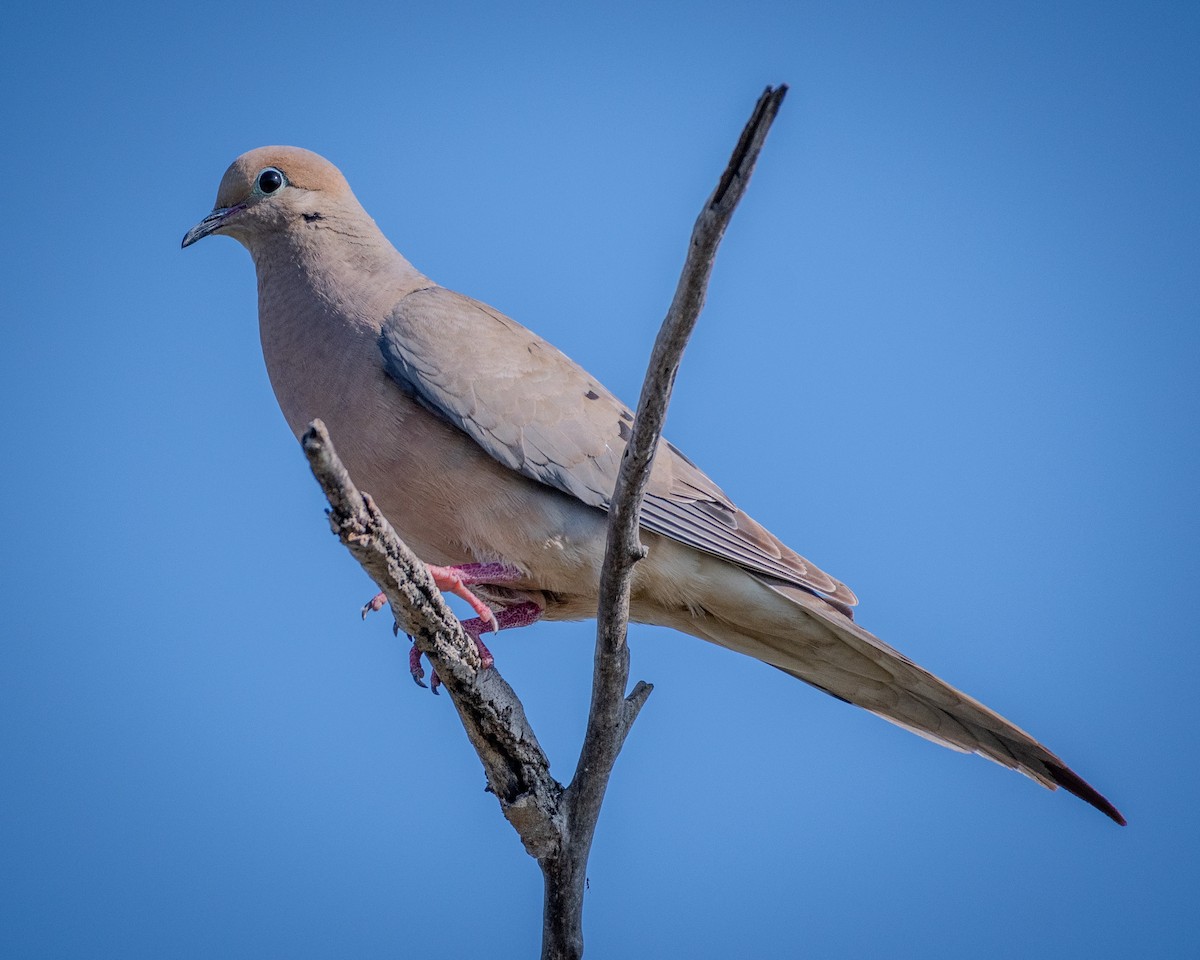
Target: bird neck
<point>338,262</point>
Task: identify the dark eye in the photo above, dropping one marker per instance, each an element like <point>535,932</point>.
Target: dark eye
<point>270,180</point>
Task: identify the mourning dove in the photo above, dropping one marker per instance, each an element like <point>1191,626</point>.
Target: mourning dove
<point>494,455</point>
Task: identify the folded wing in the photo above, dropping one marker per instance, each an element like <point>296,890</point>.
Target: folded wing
<point>538,412</point>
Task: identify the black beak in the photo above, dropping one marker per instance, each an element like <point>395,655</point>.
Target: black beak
<point>210,223</point>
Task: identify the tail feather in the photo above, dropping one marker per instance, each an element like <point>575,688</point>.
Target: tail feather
<point>833,653</point>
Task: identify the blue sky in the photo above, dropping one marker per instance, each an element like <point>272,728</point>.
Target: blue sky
<point>950,353</point>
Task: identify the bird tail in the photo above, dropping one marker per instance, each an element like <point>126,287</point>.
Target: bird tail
<point>823,647</point>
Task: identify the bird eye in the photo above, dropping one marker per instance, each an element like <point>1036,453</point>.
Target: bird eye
<point>270,180</point>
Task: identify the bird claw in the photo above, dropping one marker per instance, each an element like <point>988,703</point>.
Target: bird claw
<point>486,662</point>
<point>448,580</point>
<point>414,665</point>
<point>473,628</point>
<point>455,580</point>
<point>374,605</point>
<point>520,615</point>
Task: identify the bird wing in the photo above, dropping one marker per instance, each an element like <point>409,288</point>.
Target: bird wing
<point>539,413</point>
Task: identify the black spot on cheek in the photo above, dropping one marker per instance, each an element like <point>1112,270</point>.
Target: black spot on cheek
<point>592,395</point>
<point>627,416</point>
<point>310,217</point>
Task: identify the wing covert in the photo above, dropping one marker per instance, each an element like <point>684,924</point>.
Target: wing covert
<point>539,413</point>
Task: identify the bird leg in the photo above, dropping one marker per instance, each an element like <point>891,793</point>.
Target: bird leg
<point>455,580</point>
<point>519,615</point>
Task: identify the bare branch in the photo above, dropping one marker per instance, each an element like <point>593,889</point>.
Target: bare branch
<point>555,825</point>
<point>611,713</point>
<point>517,769</point>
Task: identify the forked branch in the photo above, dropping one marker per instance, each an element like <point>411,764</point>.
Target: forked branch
<point>555,824</point>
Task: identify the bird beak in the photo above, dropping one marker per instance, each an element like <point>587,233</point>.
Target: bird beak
<point>213,222</point>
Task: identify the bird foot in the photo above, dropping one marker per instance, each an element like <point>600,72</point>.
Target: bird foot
<point>518,615</point>
<point>455,580</point>
<point>374,605</point>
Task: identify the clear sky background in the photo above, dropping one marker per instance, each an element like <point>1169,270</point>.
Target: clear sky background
<point>950,353</point>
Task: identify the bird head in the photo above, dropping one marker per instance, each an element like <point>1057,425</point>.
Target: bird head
<point>269,190</point>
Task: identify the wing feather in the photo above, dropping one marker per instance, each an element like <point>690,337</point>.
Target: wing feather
<point>538,412</point>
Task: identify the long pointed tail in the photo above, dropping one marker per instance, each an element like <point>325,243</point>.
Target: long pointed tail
<point>833,653</point>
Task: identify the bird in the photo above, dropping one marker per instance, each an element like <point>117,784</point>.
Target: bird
<point>494,456</point>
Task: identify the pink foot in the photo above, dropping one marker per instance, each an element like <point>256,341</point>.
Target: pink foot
<point>456,580</point>
<point>518,615</point>
<point>374,605</point>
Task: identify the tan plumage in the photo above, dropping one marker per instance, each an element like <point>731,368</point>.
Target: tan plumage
<point>483,443</point>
